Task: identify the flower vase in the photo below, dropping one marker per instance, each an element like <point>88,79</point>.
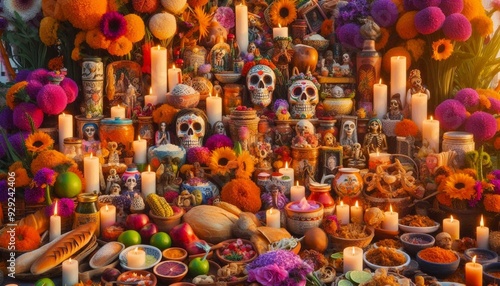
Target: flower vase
<point>93,87</point>
<point>348,182</point>
<point>368,64</point>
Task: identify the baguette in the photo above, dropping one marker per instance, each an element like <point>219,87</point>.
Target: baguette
<point>64,248</point>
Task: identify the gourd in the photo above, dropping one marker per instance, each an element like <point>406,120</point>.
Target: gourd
<point>210,223</point>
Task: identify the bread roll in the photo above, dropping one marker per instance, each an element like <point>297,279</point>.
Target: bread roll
<point>38,220</point>
<point>64,248</point>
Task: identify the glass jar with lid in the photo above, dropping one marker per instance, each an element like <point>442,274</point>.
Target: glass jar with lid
<point>86,211</point>
<point>119,130</point>
<point>73,148</point>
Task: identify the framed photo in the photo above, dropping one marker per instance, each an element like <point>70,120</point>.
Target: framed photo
<point>331,161</point>
<point>314,16</point>
<point>120,75</point>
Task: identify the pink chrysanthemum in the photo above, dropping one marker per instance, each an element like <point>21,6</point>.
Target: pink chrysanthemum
<point>70,88</point>
<point>39,74</point>
<point>34,195</point>
<point>113,25</point>
<point>33,88</point>
<point>457,27</point>
<point>482,124</point>
<point>384,12</point>
<point>429,20</point>
<point>451,6</point>
<point>218,141</point>
<point>468,97</point>
<point>225,17</point>
<point>451,114</point>
<point>26,111</point>
<point>422,4</point>
<point>198,154</point>
<point>495,105</point>
<point>65,207</point>
<point>52,99</point>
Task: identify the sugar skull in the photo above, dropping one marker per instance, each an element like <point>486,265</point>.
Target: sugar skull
<point>261,81</point>
<point>303,98</point>
<point>190,129</point>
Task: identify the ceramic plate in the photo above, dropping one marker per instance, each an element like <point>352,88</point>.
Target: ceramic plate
<point>417,229</point>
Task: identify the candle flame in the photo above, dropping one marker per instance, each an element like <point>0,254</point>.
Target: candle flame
<point>431,117</point>
<point>451,218</point>
<point>356,204</point>
<point>380,81</point>
<point>378,153</point>
<point>297,183</point>
<point>139,137</point>
<point>398,58</point>
<point>158,47</point>
<point>353,250</point>
<point>173,66</point>
<point>70,261</point>
<point>286,165</point>
<point>150,90</point>
<point>279,25</point>
<point>341,203</point>
<point>390,207</point>
<point>64,114</point>
<point>474,259</point>
<point>271,211</point>
<point>107,209</point>
<point>55,208</point>
<point>216,94</point>
<point>482,221</point>
<point>136,250</point>
<point>149,168</point>
<point>91,155</point>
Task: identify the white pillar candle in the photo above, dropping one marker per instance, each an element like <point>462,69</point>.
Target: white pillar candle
<point>55,225</point>
<point>280,32</point>
<point>430,133</point>
<point>353,259</point>
<point>159,73</point>
<point>91,173</point>
<point>108,216</point>
<point>273,218</point>
<point>65,125</point>
<point>482,235</point>
<point>242,27</point>
<point>286,171</point>
<point>342,212</point>
<point>357,213</point>
<point>377,159</point>
<point>136,258</point>
<point>150,98</point>
<point>297,193</point>
<point>214,109</point>
<point>380,99</point>
<point>452,227</point>
<point>117,111</point>
<point>390,221</point>
<point>140,147</point>
<point>398,77</point>
<point>174,77</point>
<point>148,182</point>
<point>419,109</point>
<point>70,272</point>
<point>473,273</point>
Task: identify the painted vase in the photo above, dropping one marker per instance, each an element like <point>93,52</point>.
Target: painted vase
<point>348,182</point>
<point>321,194</point>
<point>92,87</point>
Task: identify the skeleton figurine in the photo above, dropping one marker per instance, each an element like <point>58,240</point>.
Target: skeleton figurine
<point>114,153</point>
<point>112,178</point>
<point>329,139</point>
<point>190,127</point>
<point>358,159</point>
<point>261,82</point>
<point>395,108</point>
<point>348,136</point>
<point>347,65</point>
<point>303,98</point>
<point>219,128</point>
<point>130,183</point>
<point>416,87</point>
<point>375,140</point>
<point>115,189</point>
<point>443,240</point>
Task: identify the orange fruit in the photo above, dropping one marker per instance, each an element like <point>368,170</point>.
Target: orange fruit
<point>315,238</point>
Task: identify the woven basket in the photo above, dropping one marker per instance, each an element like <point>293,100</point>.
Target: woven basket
<point>338,243</point>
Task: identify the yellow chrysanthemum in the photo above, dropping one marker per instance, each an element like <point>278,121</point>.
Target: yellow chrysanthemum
<point>245,165</point>
<point>50,159</point>
<point>38,142</point>
<point>459,186</point>
<point>96,39</point>
<point>204,20</point>
<point>472,9</point>
<point>48,31</point>
<point>135,28</point>
<point>75,54</point>
<point>405,27</point>
<point>483,25</point>
<point>416,48</point>
<point>220,159</point>
<point>442,49</point>
<point>282,12</point>
<point>492,202</point>
<point>80,38</point>
<point>10,97</point>
<point>120,46</point>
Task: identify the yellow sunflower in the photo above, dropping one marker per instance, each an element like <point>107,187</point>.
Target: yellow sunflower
<point>38,142</point>
<point>442,49</point>
<point>220,160</point>
<point>459,186</point>
<point>282,12</point>
<point>245,165</point>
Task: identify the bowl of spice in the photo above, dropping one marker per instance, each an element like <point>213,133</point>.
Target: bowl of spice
<point>414,242</point>
<point>175,253</point>
<point>385,257</point>
<point>437,261</point>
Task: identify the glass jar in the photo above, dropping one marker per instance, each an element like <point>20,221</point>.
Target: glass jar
<point>233,97</point>
<point>73,148</point>
<point>117,130</point>
<point>321,194</point>
<point>86,211</point>
<point>460,142</point>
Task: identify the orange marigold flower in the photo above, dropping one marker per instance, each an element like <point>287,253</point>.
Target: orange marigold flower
<point>484,102</point>
<point>165,113</point>
<point>483,25</point>
<point>84,14</point>
<point>405,27</point>
<point>80,38</point>
<point>22,178</point>
<point>56,63</point>
<point>444,199</point>
<point>498,123</point>
<point>492,202</point>
<point>194,3</point>
<point>135,28</point>
<point>405,128</point>
<point>50,159</point>
<point>399,5</point>
<point>243,193</point>
<point>52,8</point>
<point>416,48</point>
<point>120,46</point>
<point>115,5</point>
<point>472,9</point>
<point>496,143</point>
<point>75,54</point>
<point>326,28</point>
<point>488,92</point>
<point>48,31</point>
<point>471,172</point>
<point>96,39</point>
<point>10,97</point>
<point>382,40</point>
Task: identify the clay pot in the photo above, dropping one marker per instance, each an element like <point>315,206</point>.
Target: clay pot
<point>304,58</point>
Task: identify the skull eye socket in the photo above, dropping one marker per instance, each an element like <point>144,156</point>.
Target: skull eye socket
<point>184,127</point>
<point>297,91</point>
<point>310,91</point>
<point>197,126</point>
<point>268,79</point>
<point>254,79</point>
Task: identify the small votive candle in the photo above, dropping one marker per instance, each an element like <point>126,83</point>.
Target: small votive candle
<point>482,235</point>
<point>473,273</point>
<point>353,259</point>
<point>297,192</point>
<point>136,258</point>
<point>342,213</point>
<point>356,213</point>
<point>452,227</point>
<point>390,221</point>
<point>377,159</point>
<point>70,272</point>
<point>273,218</point>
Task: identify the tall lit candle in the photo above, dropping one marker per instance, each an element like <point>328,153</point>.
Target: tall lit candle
<point>473,273</point>
<point>286,171</point>
<point>390,221</point>
<point>398,77</point>
<point>148,182</point>
<point>357,213</point>
<point>70,272</point>
<point>482,235</point>
<point>117,111</point>
<point>174,77</point>
<point>214,109</point>
<point>297,192</point>
<point>273,218</point>
<point>380,99</point>
<point>91,173</point>
<point>65,126</point>
<point>353,259</point>
<point>55,225</point>
<point>452,227</point>
<point>280,32</point>
<point>159,73</point>
<point>136,258</point>
<point>140,147</point>
<point>108,216</point>
<point>419,109</point>
<point>242,27</point>
<point>150,98</point>
<point>342,212</point>
<point>430,133</point>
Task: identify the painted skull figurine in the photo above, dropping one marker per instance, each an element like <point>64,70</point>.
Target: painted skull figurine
<point>303,98</point>
<point>131,183</point>
<point>261,81</point>
<point>304,127</point>
<point>329,140</point>
<point>190,129</point>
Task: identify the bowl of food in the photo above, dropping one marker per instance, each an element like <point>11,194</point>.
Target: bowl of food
<point>183,96</point>
<point>317,41</point>
<point>389,242</point>
<point>418,224</point>
<point>152,254</point>
<point>385,257</point>
<point>483,256</point>
<point>351,235</point>
<point>228,77</point>
<point>170,271</point>
<point>437,261</point>
<point>491,273</point>
<point>140,277</point>
<point>239,251</point>
<point>414,242</point>
<point>175,253</point>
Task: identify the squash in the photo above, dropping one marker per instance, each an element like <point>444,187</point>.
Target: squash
<point>210,223</point>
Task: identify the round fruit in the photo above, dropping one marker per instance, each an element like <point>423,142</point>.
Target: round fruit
<point>315,238</point>
<point>171,268</point>
<point>45,282</point>
<point>130,237</point>
<point>67,185</point>
<point>161,240</point>
<point>197,266</point>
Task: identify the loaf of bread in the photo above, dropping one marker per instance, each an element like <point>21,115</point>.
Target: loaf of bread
<point>38,220</point>
<point>64,248</point>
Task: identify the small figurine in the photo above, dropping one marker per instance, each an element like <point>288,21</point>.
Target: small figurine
<point>329,139</point>
<point>254,28</point>
<point>347,65</point>
<point>114,153</point>
<point>90,142</point>
<point>395,108</point>
<point>112,178</point>
<point>337,92</point>
<point>198,171</point>
<point>348,135</point>
<point>443,240</point>
<point>131,183</point>
<point>358,158</point>
<point>327,63</point>
<point>304,127</point>
<point>115,189</point>
<point>130,100</point>
<point>219,128</point>
<point>375,140</point>
<point>415,80</point>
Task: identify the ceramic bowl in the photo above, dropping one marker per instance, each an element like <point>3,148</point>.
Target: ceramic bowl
<point>153,256</point>
<point>106,254</point>
<point>483,256</point>
<point>228,77</point>
<point>491,273</point>
<point>165,224</point>
<point>320,45</point>
<point>175,253</point>
<point>414,242</point>
<point>137,275</point>
<point>341,106</point>
<point>419,229</point>
<point>397,267</point>
<point>239,243</point>
<point>298,221</point>
<point>438,269</point>
<point>339,243</point>
<point>183,101</point>
<point>170,271</point>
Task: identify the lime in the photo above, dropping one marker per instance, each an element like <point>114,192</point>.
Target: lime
<point>360,276</point>
<point>348,275</point>
<point>161,240</point>
<point>197,266</point>
<point>345,282</point>
<point>67,185</point>
<point>337,255</point>
<point>45,282</point>
<point>129,237</point>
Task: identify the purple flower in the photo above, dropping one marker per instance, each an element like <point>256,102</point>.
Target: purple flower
<point>408,5</point>
<point>70,88</point>
<point>22,75</point>
<point>217,141</point>
<point>17,142</point>
<point>24,112</point>
<point>496,174</point>
<point>34,195</point>
<point>429,20</point>
<point>451,6</point>
<point>45,176</point>
<point>225,17</point>
<point>3,23</point>
<point>4,191</point>
<point>6,121</point>
<point>384,12</point>
<point>422,4</point>
<point>65,207</point>
<point>495,105</point>
<point>268,275</point>
<point>198,154</point>
<point>451,114</point>
<point>113,25</point>
<point>40,74</point>
<point>468,97</point>
<point>478,187</point>
<point>3,147</point>
<point>280,103</point>
<point>482,124</point>
<point>457,27</point>
<point>203,69</point>
<point>33,87</point>
<point>347,34</point>
<point>496,185</point>
<point>52,99</point>
<point>352,12</point>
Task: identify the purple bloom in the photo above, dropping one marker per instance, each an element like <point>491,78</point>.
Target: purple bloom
<point>482,124</point>
<point>22,75</point>
<point>468,97</point>
<point>280,103</point>
<point>429,20</point>
<point>347,34</point>
<point>217,141</point>
<point>409,5</point>
<point>496,185</point>
<point>198,154</point>
<point>496,174</point>
<point>52,99</point>
<point>478,187</point>
<point>33,88</point>
<point>422,4</point>
<point>24,112</point>
<point>65,207</point>
<point>225,17</point>
<point>352,12</point>
<point>495,105</point>
<point>451,114</point>
<point>3,23</point>
<point>3,147</point>
<point>113,25</point>
<point>457,27</point>
<point>17,142</point>
<point>40,74</point>
<point>451,6</point>
<point>4,191</point>
<point>6,121</point>
<point>34,195</point>
<point>205,68</point>
<point>45,176</point>
<point>384,12</point>
<point>269,275</point>
<point>70,88</point>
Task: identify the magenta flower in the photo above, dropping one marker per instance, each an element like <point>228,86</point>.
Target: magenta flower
<point>478,187</point>
<point>45,176</point>
<point>225,17</point>
<point>22,75</point>
<point>217,141</point>
<point>113,25</point>
<point>422,4</point>
<point>482,124</point>
<point>33,87</point>
<point>269,275</point>
<point>65,207</point>
<point>468,97</point>
<point>52,99</point>
<point>457,27</point>
<point>70,88</point>
<point>495,105</point>
<point>34,195</point>
<point>451,114</point>
<point>6,118</point>
<point>384,12</point>
<point>24,112</point>
<point>451,6</point>
<point>40,74</point>
<point>198,154</point>
<point>429,20</point>
<point>409,5</point>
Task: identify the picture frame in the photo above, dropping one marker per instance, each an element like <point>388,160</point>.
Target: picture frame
<point>314,16</point>
<point>331,159</point>
<point>119,75</point>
